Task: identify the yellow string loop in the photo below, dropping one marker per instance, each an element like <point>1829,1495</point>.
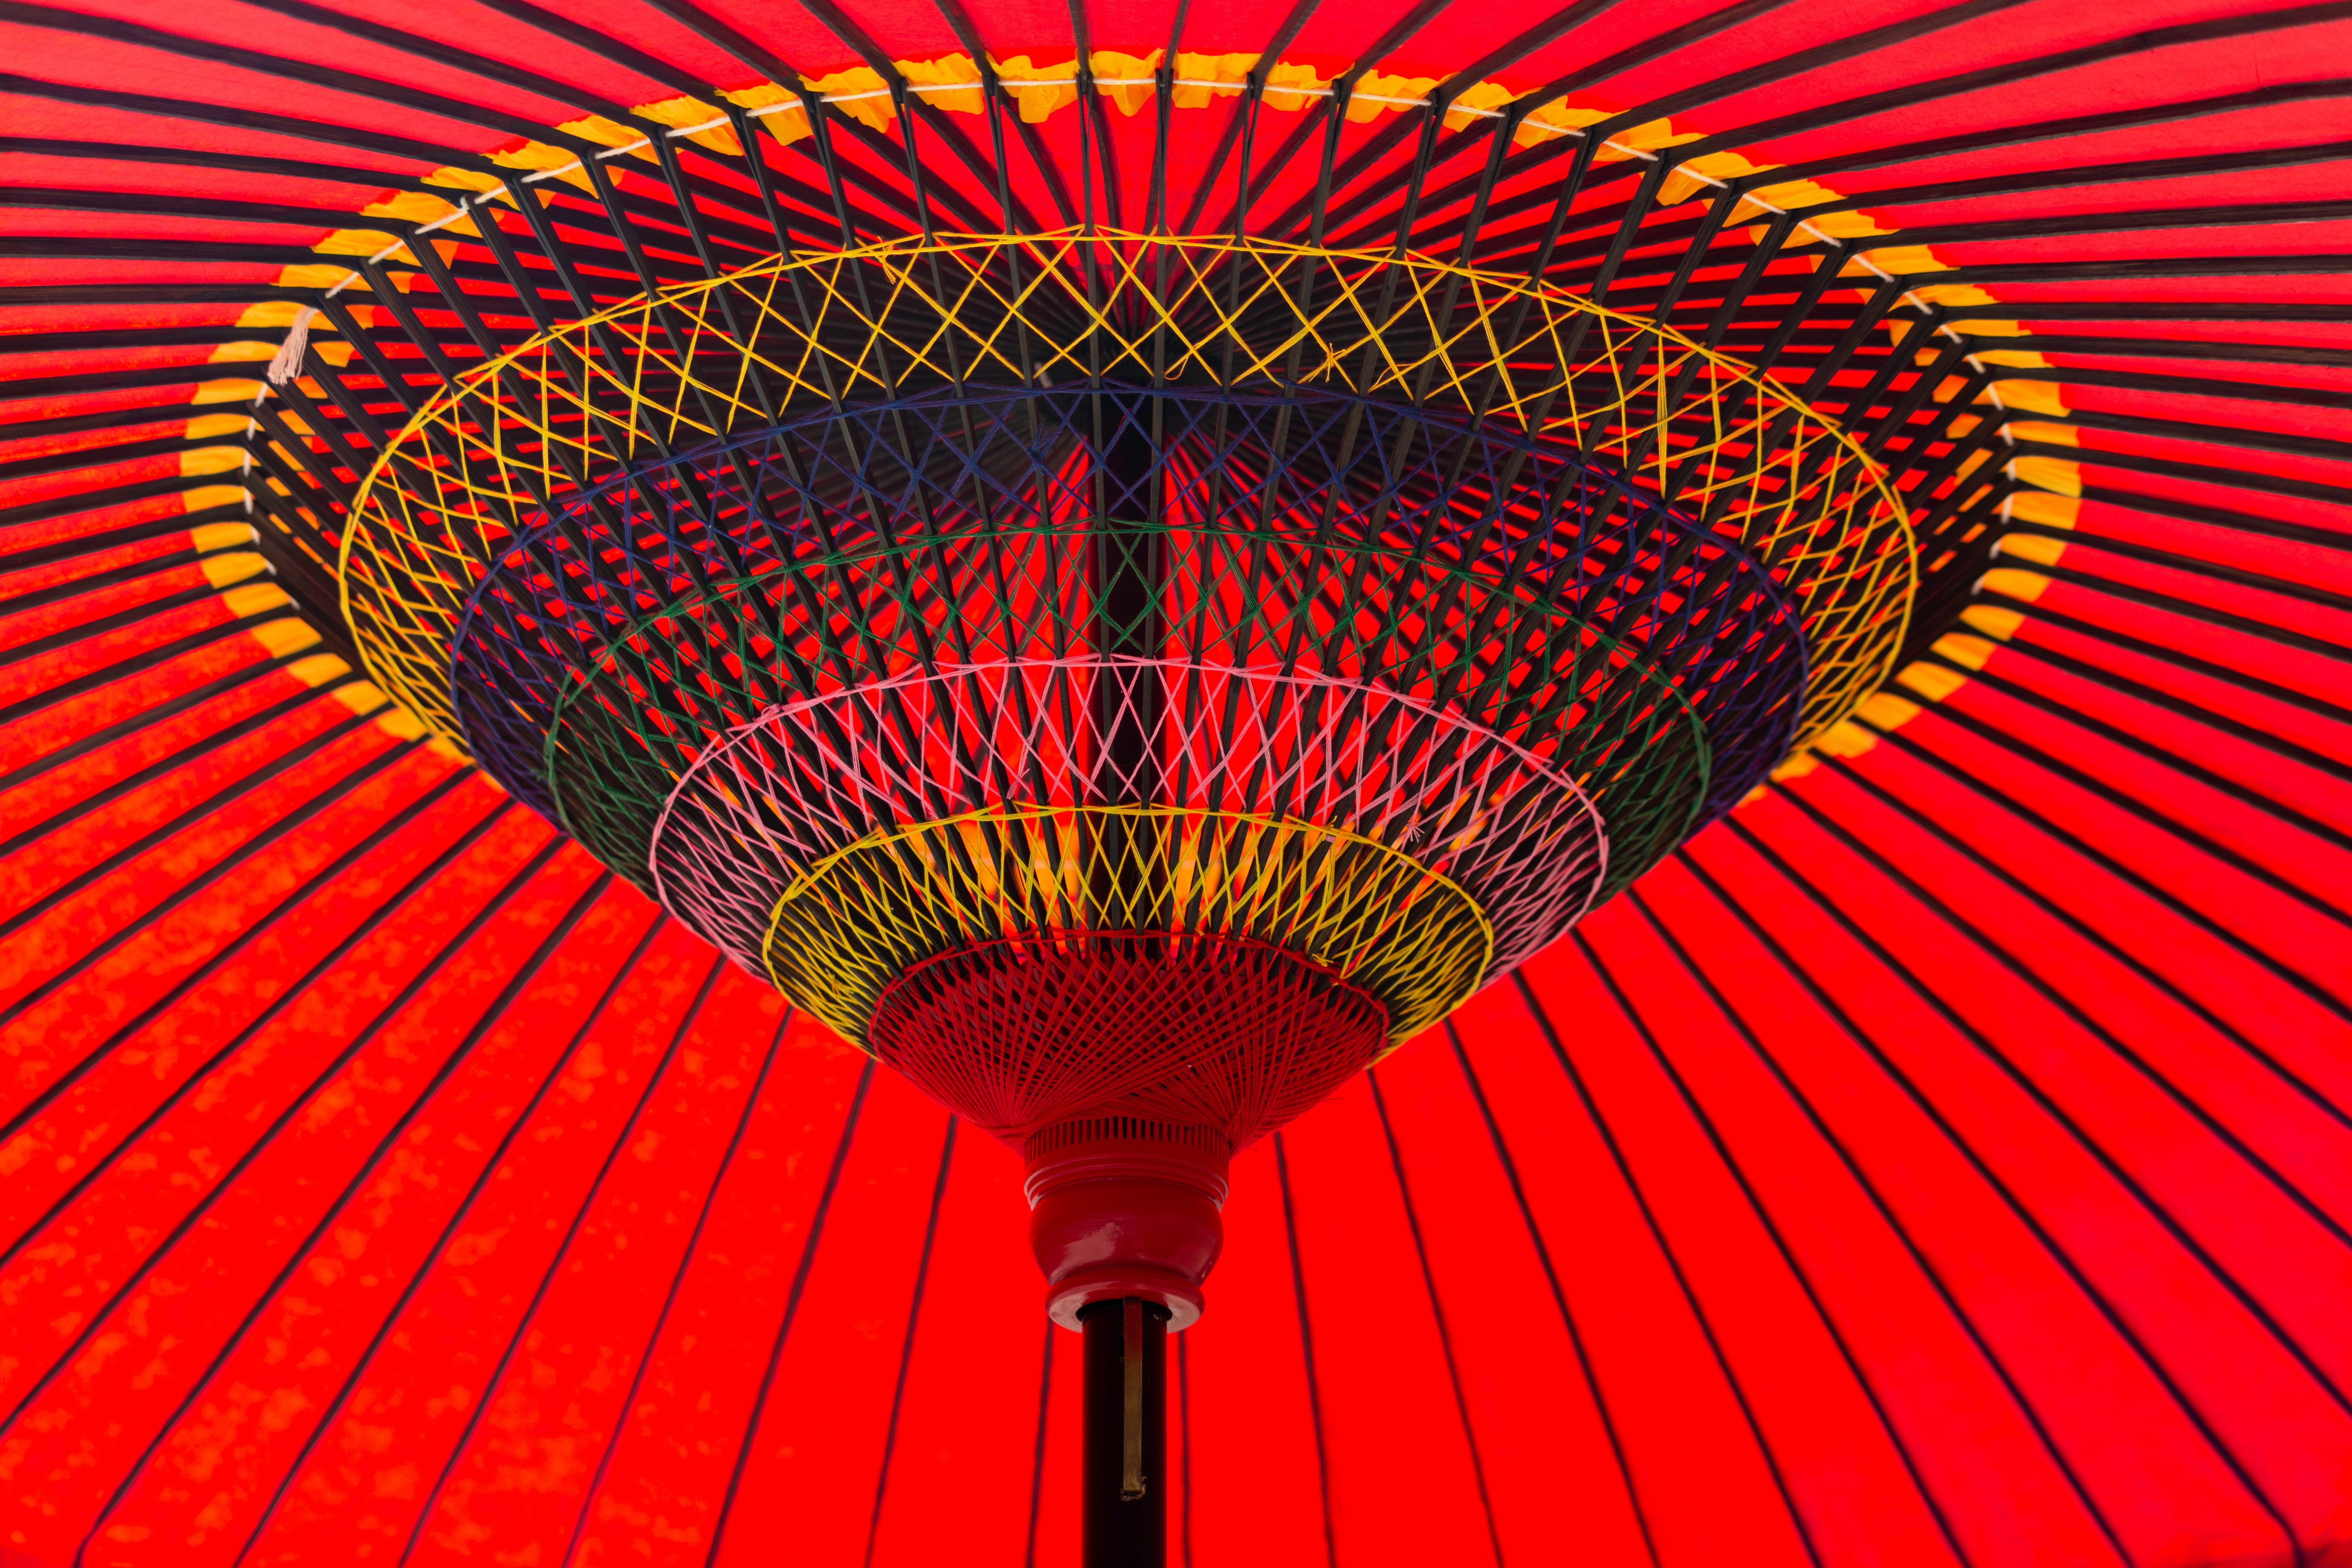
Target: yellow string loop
<point>864,914</point>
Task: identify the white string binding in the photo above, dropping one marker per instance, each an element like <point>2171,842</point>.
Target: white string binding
<point>286,363</point>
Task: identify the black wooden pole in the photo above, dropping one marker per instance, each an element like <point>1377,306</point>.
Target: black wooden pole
<point>1125,1466</point>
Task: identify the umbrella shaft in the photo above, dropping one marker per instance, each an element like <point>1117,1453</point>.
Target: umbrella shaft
<point>1125,1464</point>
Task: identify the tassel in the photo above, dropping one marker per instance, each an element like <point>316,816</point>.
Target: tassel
<point>286,363</point>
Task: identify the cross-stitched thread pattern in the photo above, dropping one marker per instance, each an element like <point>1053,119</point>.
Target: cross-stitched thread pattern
<point>1027,752</point>
<point>1216,1033</point>
<point>879,606</point>
<point>706,360</point>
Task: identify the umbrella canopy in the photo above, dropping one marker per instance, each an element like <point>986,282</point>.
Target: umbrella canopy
<point>1941,1158</point>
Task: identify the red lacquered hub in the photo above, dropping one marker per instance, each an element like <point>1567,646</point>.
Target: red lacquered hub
<point>1122,1206</point>
<point>1126,1066</point>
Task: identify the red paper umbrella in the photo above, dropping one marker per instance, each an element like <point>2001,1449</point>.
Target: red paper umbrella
<point>652,655</point>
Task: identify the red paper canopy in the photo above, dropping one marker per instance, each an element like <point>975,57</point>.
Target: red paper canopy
<point>1943,1159</point>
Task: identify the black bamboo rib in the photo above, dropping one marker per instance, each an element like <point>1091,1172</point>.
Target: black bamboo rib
<point>1610,1141</point>
<point>528,972</point>
<point>1790,1254</point>
<point>791,1313</point>
<point>2125,1182</point>
<point>122,1287</point>
<point>1306,1344</point>
<point>1869,1186</point>
<point>657,1076</point>
<point>1437,1314</point>
<point>1692,265</point>
<point>103,1160</point>
<point>2312,989</point>
<point>2041,900</point>
<point>1710,264</point>
<point>1985,940</point>
<point>718,1180</point>
<point>141,778</point>
<point>1535,1240</point>
<point>620,975</point>
<point>2271,691</point>
<point>2253,735</point>
<point>109,577</point>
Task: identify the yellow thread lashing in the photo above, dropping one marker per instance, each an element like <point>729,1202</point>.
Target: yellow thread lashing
<point>862,915</point>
